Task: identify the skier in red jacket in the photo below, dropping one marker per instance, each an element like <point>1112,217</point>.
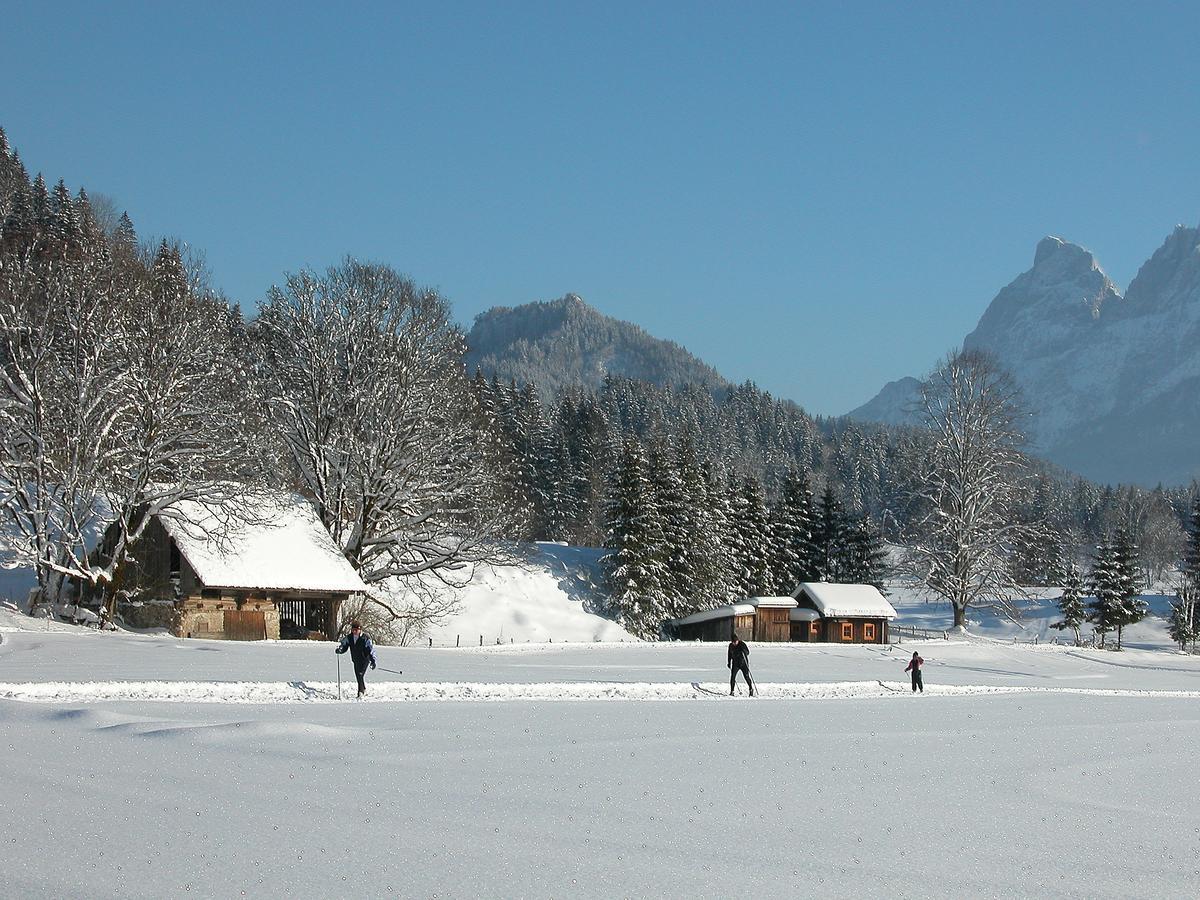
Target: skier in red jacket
<point>914,666</point>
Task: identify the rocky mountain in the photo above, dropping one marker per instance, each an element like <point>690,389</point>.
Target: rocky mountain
<point>564,342</point>
<point>1112,382</point>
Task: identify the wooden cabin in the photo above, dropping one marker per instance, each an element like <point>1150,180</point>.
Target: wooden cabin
<point>840,614</point>
<point>817,612</point>
<point>252,569</point>
<point>754,619</point>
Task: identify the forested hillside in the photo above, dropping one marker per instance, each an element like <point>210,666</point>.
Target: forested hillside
<point>566,343</point>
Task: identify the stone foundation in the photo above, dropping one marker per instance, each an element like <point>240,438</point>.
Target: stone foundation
<point>205,618</point>
<point>153,614</point>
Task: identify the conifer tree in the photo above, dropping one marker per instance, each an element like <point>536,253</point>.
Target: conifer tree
<point>794,556</point>
<point>1102,584</point>
<point>40,202</point>
<point>829,537</point>
<point>864,559</point>
<point>63,220</point>
<point>634,565</point>
<point>126,240</point>
<point>1130,608</point>
<point>1070,604</point>
<point>1191,552</point>
<point>1114,583</point>
<point>751,539</point>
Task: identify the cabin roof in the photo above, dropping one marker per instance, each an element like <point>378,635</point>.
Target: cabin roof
<point>854,600</point>
<point>264,541</point>
<point>728,611</point>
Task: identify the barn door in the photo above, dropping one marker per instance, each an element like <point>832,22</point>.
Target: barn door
<point>245,625</point>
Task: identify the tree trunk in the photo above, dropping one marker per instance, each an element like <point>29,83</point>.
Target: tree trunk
<point>960,616</point>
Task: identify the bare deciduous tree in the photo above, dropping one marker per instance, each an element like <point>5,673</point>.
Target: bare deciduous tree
<point>365,384</point>
<point>965,529</point>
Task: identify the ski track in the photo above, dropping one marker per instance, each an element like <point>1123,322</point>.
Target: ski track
<point>236,692</point>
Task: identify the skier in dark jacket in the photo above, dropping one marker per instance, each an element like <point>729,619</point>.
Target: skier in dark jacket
<point>914,666</point>
<point>739,661</point>
<point>362,652</point>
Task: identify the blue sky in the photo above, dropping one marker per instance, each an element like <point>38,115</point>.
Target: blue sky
<point>820,198</point>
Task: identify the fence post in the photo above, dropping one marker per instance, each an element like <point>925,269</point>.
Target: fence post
<point>481,640</point>
<point>456,637</point>
<point>431,643</point>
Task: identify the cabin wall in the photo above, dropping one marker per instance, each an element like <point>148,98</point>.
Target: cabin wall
<point>772,624</point>
<point>849,630</point>
<point>205,616</point>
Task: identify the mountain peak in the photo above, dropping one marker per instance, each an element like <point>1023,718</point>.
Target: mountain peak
<point>564,342</point>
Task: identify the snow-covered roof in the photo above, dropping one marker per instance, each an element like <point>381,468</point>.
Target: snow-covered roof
<point>785,602</point>
<point>267,542</point>
<point>803,615</point>
<point>833,600</point>
<point>719,612</point>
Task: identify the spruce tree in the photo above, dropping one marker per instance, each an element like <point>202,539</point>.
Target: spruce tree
<point>829,537</point>
<point>1070,604</point>
<point>1102,584</point>
<point>1115,581</point>
<point>793,554</point>
<point>126,240</point>
<point>863,557</point>
<point>1130,607</point>
<point>634,567</point>
<point>752,539</point>
<point>1191,553</point>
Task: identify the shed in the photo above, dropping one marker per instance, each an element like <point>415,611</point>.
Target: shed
<point>840,613</point>
<point>244,569</point>
<point>753,619</point>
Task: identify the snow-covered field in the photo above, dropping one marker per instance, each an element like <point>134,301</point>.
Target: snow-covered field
<point>152,767</point>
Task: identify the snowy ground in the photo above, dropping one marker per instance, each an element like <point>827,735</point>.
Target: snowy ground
<point>225,769</point>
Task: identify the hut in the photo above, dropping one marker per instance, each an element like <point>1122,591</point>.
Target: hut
<point>753,619</point>
<point>840,613</point>
<point>245,569</point>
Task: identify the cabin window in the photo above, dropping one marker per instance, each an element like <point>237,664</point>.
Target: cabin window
<point>815,629</point>
<point>847,631</point>
<point>174,559</point>
<point>868,631</point>
<point>211,593</point>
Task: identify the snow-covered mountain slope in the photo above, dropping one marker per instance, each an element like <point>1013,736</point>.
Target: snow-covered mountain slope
<point>566,342</point>
<point>1112,383</point>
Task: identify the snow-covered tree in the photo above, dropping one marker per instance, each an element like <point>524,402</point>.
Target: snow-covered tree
<point>363,378</point>
<point>864,559</point>
<point>794,556</point>
<point>964,526</point>
<point>1070,604</point>
<point>1114,583</point>
<point>1184,623</point>
<point>121,395</point>
<point>635,567</point>
<point>751,538</point>
<point>829,537</point>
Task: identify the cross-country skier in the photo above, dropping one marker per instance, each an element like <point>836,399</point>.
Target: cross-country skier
<point>362,652</point>
<point>914,666</point>
<point>739,661</point>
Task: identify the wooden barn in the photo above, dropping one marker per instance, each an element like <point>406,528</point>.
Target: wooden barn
<point>840,613</point>
<point>754,619</point>
<point>245,570</point>
<point>817,612</point>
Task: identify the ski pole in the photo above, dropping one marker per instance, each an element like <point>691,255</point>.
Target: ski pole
<point>393,671</point>
<point>339,656</point>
